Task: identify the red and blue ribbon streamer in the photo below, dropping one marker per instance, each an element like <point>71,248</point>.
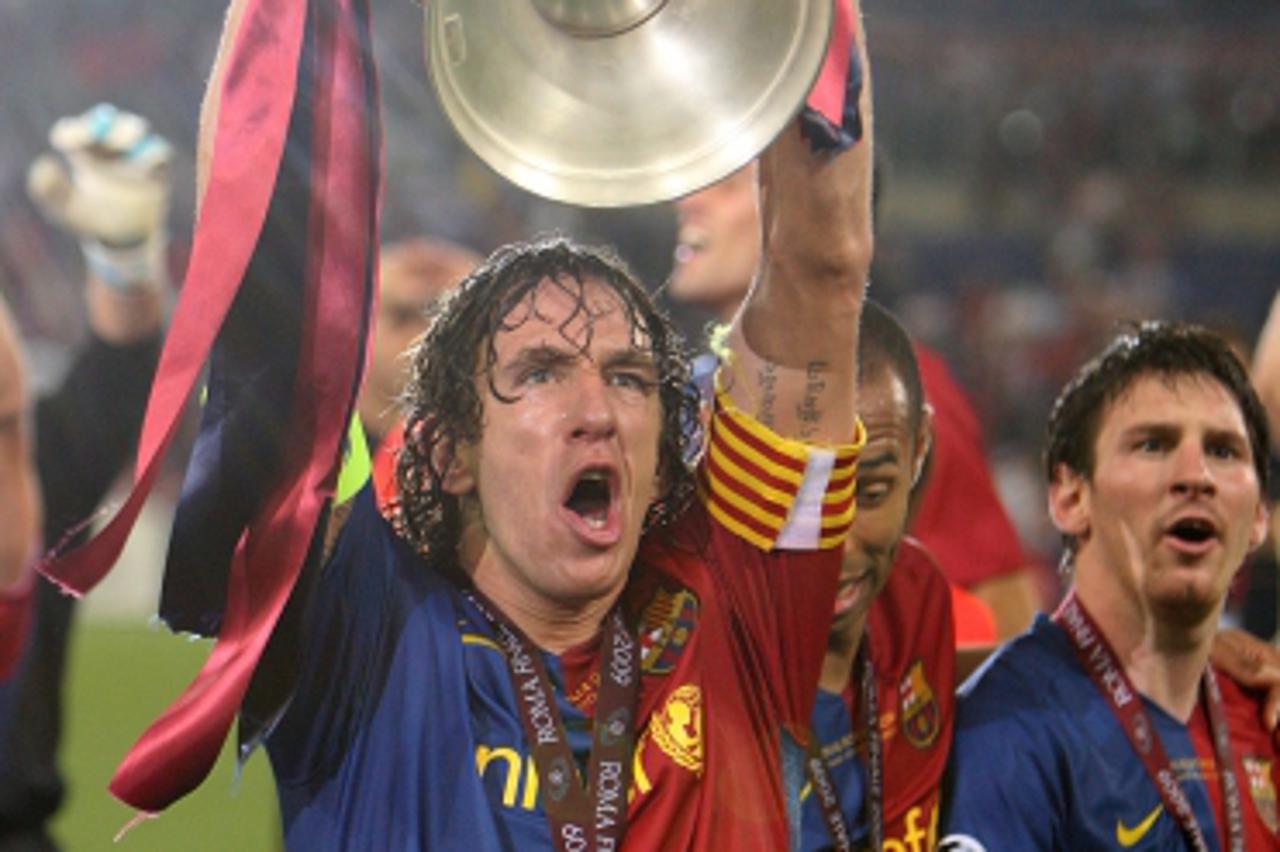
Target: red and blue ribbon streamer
<point>831,120</point>
<point>278,298</point>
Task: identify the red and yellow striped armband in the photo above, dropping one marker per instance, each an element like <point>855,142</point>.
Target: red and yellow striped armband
<point>775,492</point>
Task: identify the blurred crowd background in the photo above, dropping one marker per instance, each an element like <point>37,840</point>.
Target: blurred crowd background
<point>1048,169</point>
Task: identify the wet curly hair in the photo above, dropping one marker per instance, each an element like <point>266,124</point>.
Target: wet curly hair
<point>443,401</point>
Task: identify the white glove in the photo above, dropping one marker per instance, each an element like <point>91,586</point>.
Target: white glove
<point>107,182</point>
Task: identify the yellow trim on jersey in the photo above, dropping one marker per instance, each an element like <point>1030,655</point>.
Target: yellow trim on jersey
<point>846,453</point>
<point>357,464</point>
<point>480,640</point>
<point>724,437</point>
<point>836,539</point>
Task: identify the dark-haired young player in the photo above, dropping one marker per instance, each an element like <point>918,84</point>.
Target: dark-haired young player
<point>1107,725</point>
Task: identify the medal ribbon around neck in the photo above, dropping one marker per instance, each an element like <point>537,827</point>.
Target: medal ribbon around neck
<point>819,772</point>
<point>1099,661</point>
<point>593,817</point>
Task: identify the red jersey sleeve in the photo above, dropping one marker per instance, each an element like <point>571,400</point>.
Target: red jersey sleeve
<point>783,503</point>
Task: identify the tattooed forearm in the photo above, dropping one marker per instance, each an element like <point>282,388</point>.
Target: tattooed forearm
<point>807,411</point>
<point>768,382</point>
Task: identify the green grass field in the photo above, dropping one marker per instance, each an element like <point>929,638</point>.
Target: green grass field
<point>120,679</point>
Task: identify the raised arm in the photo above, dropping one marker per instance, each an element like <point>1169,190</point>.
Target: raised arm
<point>106,182</point>
<point>794,342</point>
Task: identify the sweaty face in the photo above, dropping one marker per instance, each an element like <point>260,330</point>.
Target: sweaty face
<point>886,472</point>
<point>556,490</point>
<point>718,244</point>
<point>1173,505</point>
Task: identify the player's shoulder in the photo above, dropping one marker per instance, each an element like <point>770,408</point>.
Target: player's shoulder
<point>911,616</point>
<point>374,584</point>
<point>1236,694</point>
<point>678,548</point>
<point>1244,711</point>
<point>1018,725</point>
<point>1033,671</point>
<point>915,569</point>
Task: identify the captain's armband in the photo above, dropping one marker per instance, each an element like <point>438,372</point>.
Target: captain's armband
<point>776,492</point>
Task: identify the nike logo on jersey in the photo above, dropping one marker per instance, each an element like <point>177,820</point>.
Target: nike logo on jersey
<point>1127,837</point>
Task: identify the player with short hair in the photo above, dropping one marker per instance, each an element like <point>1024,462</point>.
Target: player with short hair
<point>886,696</point>
<point>1107,724</point>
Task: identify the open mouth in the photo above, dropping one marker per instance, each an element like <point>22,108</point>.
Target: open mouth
<point>849,592</point>
<point>1193,531</point>
<point>592,498</point>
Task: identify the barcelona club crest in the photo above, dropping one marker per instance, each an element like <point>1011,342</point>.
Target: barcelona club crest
<point>665,627</point>
<point>920,717</point>
<point>1262,790</point>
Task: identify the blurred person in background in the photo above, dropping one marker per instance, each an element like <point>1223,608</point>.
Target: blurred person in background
<point>717,246</point>
<point>1265,371</point>
<point>106,183</point>
<point>19,498</point>
<point>1259,614</point>
<point>414,273</point>
<point>959,516</point>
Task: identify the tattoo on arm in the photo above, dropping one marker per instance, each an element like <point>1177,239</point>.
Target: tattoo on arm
<point>768,381</point>
<point>807,411</point>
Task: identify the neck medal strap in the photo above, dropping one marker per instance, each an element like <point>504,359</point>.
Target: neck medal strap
<point>870,709</point>
<point>1231,798</point>
<point>1098,659</point>
<point>819,772</point>
<point>582,818</point>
